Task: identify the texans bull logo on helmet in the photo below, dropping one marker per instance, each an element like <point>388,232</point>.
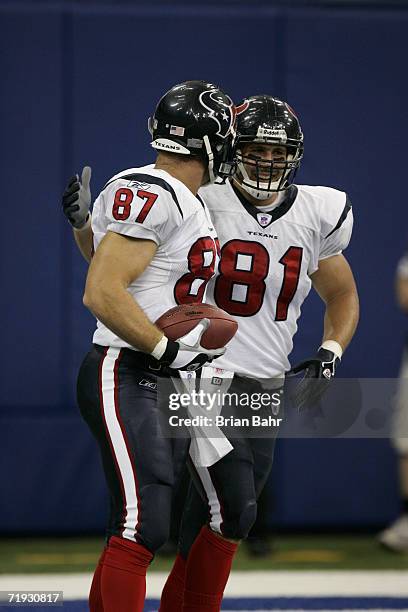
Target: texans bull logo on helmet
<point>242,107</point>
<point>212,100</point>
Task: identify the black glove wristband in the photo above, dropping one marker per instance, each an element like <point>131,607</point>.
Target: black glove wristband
<point>169,354</point>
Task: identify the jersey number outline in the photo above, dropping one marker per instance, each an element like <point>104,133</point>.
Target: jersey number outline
<point>292,261</point>
<point>246,263</point>
<point>122,204</point>
<point>184,290</point>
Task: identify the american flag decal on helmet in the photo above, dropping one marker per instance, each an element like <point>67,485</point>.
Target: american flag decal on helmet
<point>176,130</point>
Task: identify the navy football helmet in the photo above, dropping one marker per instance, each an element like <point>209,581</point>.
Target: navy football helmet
<point>196,118</point>
<point>267,120</point>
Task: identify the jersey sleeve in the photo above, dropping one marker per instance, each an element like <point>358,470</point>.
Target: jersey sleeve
<point>148,211</point>
<point>336,227</point>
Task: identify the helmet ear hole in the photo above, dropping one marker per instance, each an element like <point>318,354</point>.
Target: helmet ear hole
<point>151,125</point>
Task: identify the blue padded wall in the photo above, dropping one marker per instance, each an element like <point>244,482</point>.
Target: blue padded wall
<point>80,80</point>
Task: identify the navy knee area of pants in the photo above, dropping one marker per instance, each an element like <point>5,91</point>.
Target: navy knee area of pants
<point>154,527</point>
<point>154,536</point>
<point>237,527</point>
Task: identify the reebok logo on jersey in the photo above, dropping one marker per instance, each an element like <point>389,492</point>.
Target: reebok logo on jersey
<point>216,380</point>
<point>139,185</point>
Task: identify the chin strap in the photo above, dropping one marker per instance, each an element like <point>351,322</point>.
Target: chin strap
<point>227,170</point>
<point>210,156</point>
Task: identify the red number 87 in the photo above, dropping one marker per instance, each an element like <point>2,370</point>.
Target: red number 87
<point>122,204</point>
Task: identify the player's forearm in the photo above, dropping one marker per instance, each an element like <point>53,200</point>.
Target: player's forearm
<point>401,291</point>
<point>84,240</point>
<point>116,309</point>
<point>341,318</point>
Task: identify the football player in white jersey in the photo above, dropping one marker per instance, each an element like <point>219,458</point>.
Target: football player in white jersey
<point>154,248</point>
<point>395,536</point>
<point>277,239</point>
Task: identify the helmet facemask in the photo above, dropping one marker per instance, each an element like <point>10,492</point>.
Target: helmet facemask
<point>265,121</point>
<point>262,178</point>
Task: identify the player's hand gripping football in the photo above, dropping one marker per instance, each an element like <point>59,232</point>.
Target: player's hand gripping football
<point>76,199</point>
<point>177,354</point>
<point>191,342</point>
<point>318,372</point>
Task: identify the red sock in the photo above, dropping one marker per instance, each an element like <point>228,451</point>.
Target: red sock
<point>208,568</point>
<point>95,595</point>
<point>172,594</point>
<point>123,581</point>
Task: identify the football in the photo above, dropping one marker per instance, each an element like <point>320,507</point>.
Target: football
<point>180,320</point>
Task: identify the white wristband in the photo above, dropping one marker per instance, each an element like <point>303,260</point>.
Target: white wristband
<point>160,348</point>
<point>333,346</point>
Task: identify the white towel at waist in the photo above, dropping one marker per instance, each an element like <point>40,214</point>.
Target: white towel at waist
<point>208,443</point>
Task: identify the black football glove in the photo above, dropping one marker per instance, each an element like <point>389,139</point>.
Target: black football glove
<point>318,372</point>
<point>76,199</point>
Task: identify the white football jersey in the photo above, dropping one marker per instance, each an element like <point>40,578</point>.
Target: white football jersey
<point>265,266</point>
<point>150,204</point>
